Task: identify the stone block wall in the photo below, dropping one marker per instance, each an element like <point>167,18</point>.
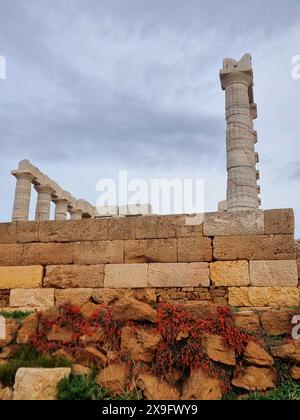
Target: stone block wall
<point>244,259</point>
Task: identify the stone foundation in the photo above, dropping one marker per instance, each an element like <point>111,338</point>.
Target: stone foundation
<point>244,259</point>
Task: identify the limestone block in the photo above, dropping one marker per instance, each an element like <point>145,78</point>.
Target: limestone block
<point>7,233</point>
<point>254,247</point>
<point>73,296</point>
<point>279,222</point>
<point>37,298</point>
<point>239,223</point>
<point>198,249</point>
<point>230,273</point>
<point>48,254</point>
<point>99,252</point>
<point>74,230</point>
<point>156,227</point>
<point>11,254</point>
<point>38,384</point>
<point>69,276</point>
<point>178,275</point>
<point>27,232</point>
<point>151,250</point>
<point>188,226</point>
<point>126,276</point>
<point>263,296</point>
<point>255,379</point>
<point>121,228</point>
<point>273,273</point>
<point>21,277</point>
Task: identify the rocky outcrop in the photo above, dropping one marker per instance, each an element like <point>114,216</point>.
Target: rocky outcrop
<point>255,379</point>
<point>140,343</point>
<point>199,386</point>
<point>217,351</point>
<point>113,378</point>
<point>154,388</point>
<point>256,355</point>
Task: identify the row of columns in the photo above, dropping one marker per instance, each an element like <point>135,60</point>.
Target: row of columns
<point>45,195</point>
<point>242,176</point>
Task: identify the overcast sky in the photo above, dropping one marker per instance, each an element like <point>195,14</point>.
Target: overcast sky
<point>94,87</point>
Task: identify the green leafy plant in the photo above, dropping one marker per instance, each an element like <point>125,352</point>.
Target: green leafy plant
<point>20,315</point>
<point>287,391</point>
<point>79,388</point>
<point>28,357</point>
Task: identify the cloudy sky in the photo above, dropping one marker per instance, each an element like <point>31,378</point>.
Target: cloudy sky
<point>98,86</point>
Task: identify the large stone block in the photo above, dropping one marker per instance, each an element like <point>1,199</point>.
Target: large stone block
<point>68,276</point>
<point>151,250</point>
<point>230,273</point>
<point>7,233</point>
<point>11,254</point>
<point>74,230</point>
<point>273,273</point>
<point>254,247</point>
<point>73,296</point>
<point>178,275</point>
<point>121,228</point>
<point>21,277</point>
<point>103,252</point>
<point>198,249</point>
<point>38,384</point>
<point>48,254</point>
<point>27,232</point>
<point>263,296</point>
<point>156,227</point>
<point>118,276</point>
<point>230,223</point>
<point>35,298</point>
<point>279,222</point>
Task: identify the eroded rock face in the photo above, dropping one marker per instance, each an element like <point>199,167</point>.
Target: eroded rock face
<point>113,378</point>
<point>217,351</point>
<point>258,356</point>
<point>140,343</point>
<point>90,356</point>
<point>27,329</point>
<point>130,309</point>
<point>289,351</point>
<point>295,373</point>
<point>6,394</point>
<point>255,379</point>
<point>247,321</point>
<point>156,389</point>
<point>199,386</point>
<point>38,384</point>
<point>277,322</point>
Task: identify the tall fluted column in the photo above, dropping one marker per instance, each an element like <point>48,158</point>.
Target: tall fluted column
<point>76,214</point>
<point>43,202</point>
<point>237,81</point>
<point>22,196</point>
<point>61,209</point>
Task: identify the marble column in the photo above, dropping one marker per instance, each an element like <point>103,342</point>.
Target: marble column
<point>237,81</point>
<point>22,196</point>
<point>76,214</point>
<point>61,209</point>
<point>43,202</point>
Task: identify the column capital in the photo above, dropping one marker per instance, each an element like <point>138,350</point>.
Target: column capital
<point>43,189</point>
<point>28,176</point>
<point>237,71</point>
<point>76,214</point>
